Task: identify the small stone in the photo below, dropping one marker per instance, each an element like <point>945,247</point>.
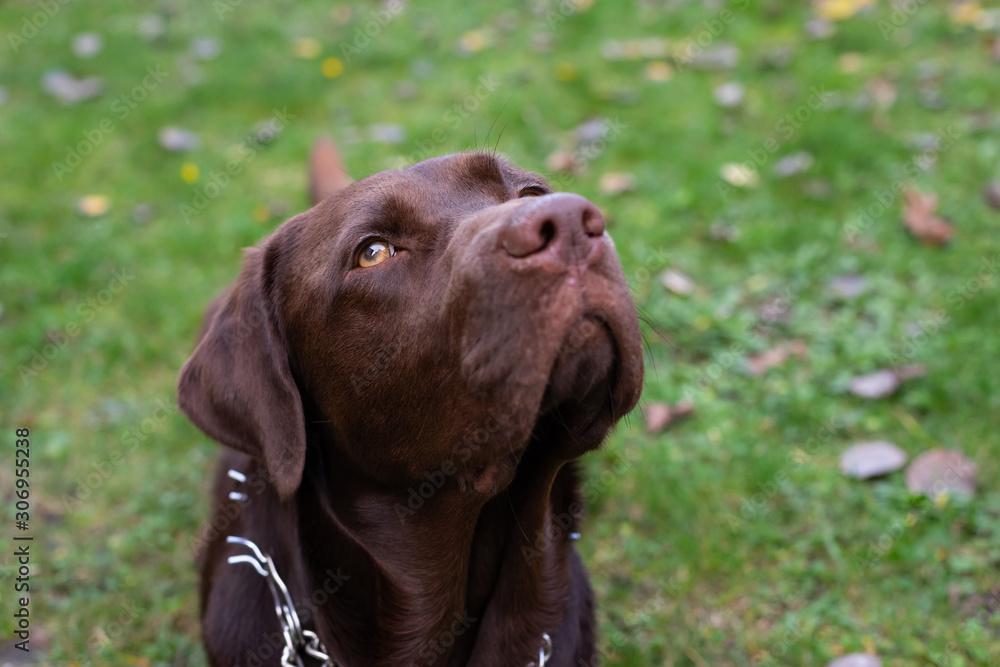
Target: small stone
<point>176,139</point>
<point>677,282</point>
<point>875,385</point>
<point>387,133</point>
<point>142,213</point>
<point>591,130</point>
<point>872,459</point>
<point>940,472</point>
<point>819,28</point>
<point>151,26</point>
<point>848,286</point>
<point>729,95</point>
<point>87,44</point>
<point>796,163</point>
<point>406,90</point>
<point>856,660</point>
<point>205,48</point>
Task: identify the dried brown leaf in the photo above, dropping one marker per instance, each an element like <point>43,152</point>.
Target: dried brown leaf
<point>920,218</point>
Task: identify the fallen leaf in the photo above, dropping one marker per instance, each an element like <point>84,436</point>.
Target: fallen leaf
<point>940,472</point>
<point>677,282</point>
<point>739,175</point>
<point>910,372</point>
<point>776,356</point>
<point>614,183</point>
<point>660,415</point>
<point>872,459</point>
<point>875,385</point>
<point>856,660</point>
<point>921,220</point>
<point>93,205</point>
<point>882,92</point>
<point>718,57</point>
<point>68,89</point>
<point>992,194</point>
<point>563,161</point>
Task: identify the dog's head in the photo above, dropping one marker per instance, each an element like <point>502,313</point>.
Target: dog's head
<point>431,318</point>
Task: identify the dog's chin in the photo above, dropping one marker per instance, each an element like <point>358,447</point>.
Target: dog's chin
<point>585,368</point>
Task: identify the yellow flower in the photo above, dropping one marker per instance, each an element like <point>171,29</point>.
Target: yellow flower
<point>332,68</point>
<point>659,70</point>
<point>565,71</point>
<point>473,41</point>
<point>966,13</point>
<point>189,172</point>
<point>838,10</point>
<point>261,213</point>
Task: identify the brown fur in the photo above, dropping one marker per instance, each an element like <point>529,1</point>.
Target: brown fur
<point>409,429</point>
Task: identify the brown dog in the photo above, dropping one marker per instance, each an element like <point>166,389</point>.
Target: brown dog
<point>405,374</point>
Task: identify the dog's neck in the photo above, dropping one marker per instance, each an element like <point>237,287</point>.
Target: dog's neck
<point>458,580</point>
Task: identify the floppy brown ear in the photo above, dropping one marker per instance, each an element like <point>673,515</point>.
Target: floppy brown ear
<point>237,386</point>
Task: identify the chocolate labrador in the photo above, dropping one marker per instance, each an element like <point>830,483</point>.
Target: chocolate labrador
<point>403,376</point>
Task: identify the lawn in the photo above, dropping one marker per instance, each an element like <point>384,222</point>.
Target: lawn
<point>730,538</point>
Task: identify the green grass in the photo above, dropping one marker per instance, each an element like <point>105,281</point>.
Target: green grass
<point>721,542</point>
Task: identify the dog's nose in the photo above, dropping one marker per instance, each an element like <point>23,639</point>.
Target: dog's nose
<point>566,224</point>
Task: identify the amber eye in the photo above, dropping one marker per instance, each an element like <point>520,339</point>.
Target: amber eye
<point>531,191</point>
<point>375,252</point>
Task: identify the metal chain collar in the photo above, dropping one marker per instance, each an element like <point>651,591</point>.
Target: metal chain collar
<point>299,643</point>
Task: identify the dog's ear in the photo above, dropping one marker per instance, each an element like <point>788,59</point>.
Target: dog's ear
<point>237,386</point>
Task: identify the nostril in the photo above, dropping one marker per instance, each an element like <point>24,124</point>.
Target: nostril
<point>593,222</point>
<point>547,232</point>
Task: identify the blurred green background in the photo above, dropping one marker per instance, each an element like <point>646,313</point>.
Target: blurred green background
<point>749,156</point>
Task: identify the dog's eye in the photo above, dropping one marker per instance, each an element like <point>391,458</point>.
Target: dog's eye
<point>531,191</point>
<point>375,252</point>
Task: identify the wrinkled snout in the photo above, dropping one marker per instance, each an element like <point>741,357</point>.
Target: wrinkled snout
<point>563,229</point>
